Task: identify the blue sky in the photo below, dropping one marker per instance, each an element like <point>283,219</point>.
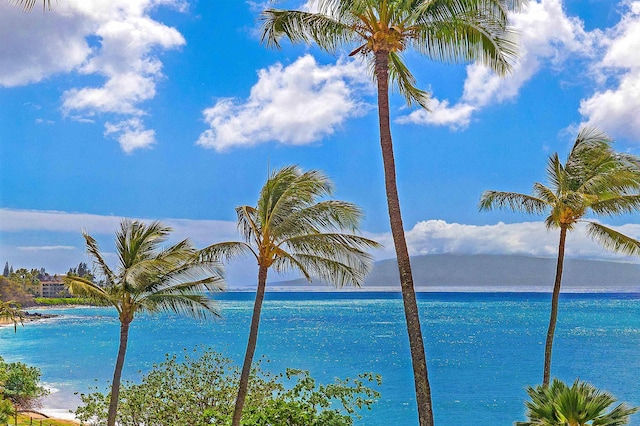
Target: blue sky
<point>173,110</point>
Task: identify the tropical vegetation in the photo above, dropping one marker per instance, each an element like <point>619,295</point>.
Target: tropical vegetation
<point>12,312</point>
<point>293,228</point>
<point>20,389</point>
<point>379,31</point>
<point>201,390</point>
<point>580,404</point>
<point>594,180</point>
<point>149,278</point>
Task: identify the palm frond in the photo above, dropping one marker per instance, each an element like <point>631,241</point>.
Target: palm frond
<point>331,244</point>
<point>27,5</point>
<point>288,190</point>
<point>248,223</point>
<point>616,205</point>
<point>332,271</point>
<point>328,215</point>
<point>460,31</point>
<point>193,305</point>
<point>225,251</point>
<point>81,287</point>
<point>401,77</point>
<point>94,251</point>
<point>613,240</point>
<point>303,27</point>
<point>491,200</point>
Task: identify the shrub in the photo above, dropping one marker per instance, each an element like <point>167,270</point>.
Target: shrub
<point>201,390</point>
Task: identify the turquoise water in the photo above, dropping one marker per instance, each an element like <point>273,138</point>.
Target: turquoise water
<point>482,348</point>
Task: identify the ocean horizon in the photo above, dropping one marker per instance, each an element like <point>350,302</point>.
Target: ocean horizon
<point>483,348</point>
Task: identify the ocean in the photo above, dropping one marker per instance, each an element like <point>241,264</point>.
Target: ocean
<point>483,349</point>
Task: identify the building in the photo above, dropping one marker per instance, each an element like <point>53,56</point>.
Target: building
<point>53,287</point>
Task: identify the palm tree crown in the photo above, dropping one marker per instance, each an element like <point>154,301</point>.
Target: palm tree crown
<point>443,30</point>
<point>149,278</point>
<point>594,180</point>
<point>289,229</point>
<point>578,405</point>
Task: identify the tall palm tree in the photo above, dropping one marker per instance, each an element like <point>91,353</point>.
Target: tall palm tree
<point>451,31</point>
<point>11,311</point>
<point>579,405</point>
<point>290,229</point>
<point>594,180</point>
<point>149,278</point>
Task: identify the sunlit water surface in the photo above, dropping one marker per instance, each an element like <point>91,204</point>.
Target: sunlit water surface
<point>483,349</point>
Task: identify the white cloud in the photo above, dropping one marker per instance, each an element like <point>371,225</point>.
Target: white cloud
<point>295,105</point>
<point>525,238</point>
<point>45,248</point>
<point>40,233</point>
<point>116,40</point>
<point>615,107</point>
<point>441,114</point>
<point>202,232</point>
<point>131,134</point>
<point>547,37</point>
<point>426,237</point>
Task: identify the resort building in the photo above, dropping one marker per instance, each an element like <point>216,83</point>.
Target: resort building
<point>53,287</point>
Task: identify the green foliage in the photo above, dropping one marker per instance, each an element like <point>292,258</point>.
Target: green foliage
<point>6,411</point>
<point>201,391</point>
<point>12,290</point>
<point>582,404</point>
<point>11,311</point>
<point>56,301</point>
<point>19,387</point>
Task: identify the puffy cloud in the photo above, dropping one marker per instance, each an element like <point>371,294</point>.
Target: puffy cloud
<point>131,134</point>
<point>525,238</point>
<point>615,107</point>
<point>547,37</point>
<point>295,105</point>
<point>441,114</point>
<point>114,39</point>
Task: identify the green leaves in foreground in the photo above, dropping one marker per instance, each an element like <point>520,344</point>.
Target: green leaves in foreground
<point>582,404</point>
<point>200,390</point>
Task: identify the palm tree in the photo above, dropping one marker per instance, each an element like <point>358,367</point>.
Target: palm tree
<point>290,229</point>
<point>11,311</point>
<point>579,405</point>
<point>149,278</point>
<point>595,180</point>
<point>451,31</point>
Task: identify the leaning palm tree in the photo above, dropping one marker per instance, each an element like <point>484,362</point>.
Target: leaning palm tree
<point>579,405</point>
<point>149,278</point>
<point>12,312</point>
<point>452,31</point>
<point>594,180</point>
<point>290,229</point>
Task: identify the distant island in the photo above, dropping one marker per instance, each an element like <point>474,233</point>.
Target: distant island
<point>483,272</point>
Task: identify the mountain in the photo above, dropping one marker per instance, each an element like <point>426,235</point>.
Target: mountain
<point>498,273</point>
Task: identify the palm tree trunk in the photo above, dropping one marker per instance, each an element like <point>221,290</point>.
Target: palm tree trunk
<point>117,373</point>
<point>418,357</point>
<point>251,346</point>
<point>553,318</point>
